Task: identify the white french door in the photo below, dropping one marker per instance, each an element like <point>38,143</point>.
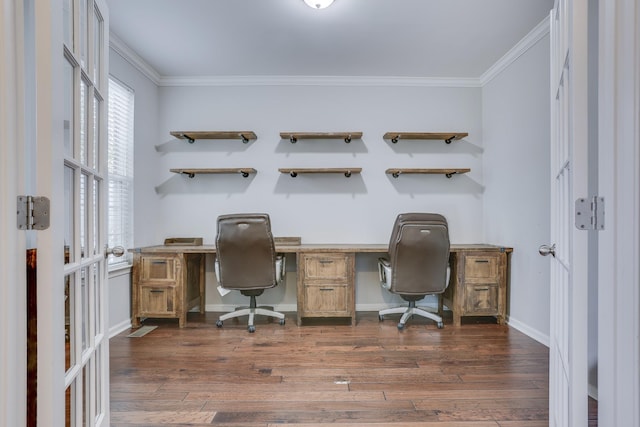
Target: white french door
<point>569,246</point>
<point>67,44</point>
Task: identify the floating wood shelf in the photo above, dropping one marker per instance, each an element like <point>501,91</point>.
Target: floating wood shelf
<point>295,171</point>
<point>446,137</point>
<point>191,136</point>
<point>293,137</point>
<point>446,172</point>
<point>193,172</point>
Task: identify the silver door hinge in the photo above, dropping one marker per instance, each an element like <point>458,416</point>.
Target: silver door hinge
<point>33,213</point>
<point>590,213</point>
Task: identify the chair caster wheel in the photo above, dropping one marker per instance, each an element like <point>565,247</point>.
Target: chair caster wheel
<point>440,325</point>
<point>251,329</point>
<point>219,323</point>
<point>380,317</point>
<point>282,321</point>
<point>400,326</point>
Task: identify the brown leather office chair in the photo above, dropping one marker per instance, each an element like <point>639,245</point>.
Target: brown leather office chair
<point>246,261</point>
<point>418,263</point>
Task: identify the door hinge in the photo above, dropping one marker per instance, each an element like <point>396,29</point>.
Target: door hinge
<point>590,213</point>
<point>33,213</point>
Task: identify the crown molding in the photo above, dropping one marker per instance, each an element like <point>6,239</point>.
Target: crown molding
<point>318,81</point>
<point>527,42</point>
<point>133,58</point>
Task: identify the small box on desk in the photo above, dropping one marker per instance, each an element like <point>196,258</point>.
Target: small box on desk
<point>183,241</point>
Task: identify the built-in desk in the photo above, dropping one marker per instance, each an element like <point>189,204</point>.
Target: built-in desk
<point>168,281</point>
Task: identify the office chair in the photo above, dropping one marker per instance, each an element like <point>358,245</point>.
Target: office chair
<point>246,261</point>
<point>418,263</point>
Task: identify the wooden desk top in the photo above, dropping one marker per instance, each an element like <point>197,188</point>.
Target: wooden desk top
<point>314,247</point>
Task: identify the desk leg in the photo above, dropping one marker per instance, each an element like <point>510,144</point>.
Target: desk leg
<point>203,258</point>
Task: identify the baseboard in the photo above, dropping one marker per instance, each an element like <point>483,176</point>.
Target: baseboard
<point>120,327</point>
<point>528,331</point>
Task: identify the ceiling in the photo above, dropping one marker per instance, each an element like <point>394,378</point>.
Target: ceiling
<point>354,38</point>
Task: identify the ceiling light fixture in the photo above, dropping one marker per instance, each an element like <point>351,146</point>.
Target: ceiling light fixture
<point>318,4</point>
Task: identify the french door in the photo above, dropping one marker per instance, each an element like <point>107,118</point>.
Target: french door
<point>67,44</point>
<point>569,287</point>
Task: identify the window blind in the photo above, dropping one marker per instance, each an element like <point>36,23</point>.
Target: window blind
<point>120,170</point>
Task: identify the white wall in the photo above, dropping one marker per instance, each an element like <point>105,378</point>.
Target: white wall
<point>145,133</point>
<point>332,209</point>
<point>516,128</point>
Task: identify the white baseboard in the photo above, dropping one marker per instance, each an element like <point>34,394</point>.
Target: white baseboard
<point>528,331</point>
<point>120,327</point>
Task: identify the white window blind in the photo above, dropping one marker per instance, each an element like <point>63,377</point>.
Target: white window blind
<point>120,169</point>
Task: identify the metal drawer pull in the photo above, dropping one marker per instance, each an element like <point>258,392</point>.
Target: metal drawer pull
<point>481,289</point>
<point>483,261</point>
<point>155,262</point>
<point>157,291</point>
<point>326,289</point>
<point>326,261</point>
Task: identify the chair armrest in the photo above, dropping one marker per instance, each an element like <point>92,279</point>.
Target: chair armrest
<point>281,262</point>
<point>384,272</point>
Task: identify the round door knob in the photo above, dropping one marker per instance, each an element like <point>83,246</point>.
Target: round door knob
<point>545,250</point>
<point>116,251</point>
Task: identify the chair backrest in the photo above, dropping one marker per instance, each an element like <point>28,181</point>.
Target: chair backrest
<point>419,254</point>
<point>245,252</point>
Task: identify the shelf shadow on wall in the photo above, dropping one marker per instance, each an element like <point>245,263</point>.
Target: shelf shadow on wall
<point>320,184</point>
<point>411,146</point>
<point>324,145</point>
<point>175,145</point>
<point>205,184</point>
<point>436,184</point>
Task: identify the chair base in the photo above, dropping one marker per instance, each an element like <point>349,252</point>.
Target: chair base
<point>251,311</point>
<point>408,312</point>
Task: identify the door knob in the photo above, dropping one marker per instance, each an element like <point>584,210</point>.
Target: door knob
<point>547,250</point>
<point>116,251</point>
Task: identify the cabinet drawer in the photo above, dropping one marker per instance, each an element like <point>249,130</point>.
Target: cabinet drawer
<point>158,268</point>
<point>481,268</point>
<point>157,300</point>
<point>329,266</point>
<point>327,300</point>
<point>481,299</point>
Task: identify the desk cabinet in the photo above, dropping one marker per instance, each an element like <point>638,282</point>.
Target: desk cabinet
<point>166,285</point>
<point>478,284</point>
<point>326,285</point>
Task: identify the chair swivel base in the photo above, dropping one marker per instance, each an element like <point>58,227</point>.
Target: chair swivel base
<point>408,312</point>
<point>250,311</point>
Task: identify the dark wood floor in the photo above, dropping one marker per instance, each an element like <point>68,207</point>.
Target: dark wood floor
<point>477,375</point>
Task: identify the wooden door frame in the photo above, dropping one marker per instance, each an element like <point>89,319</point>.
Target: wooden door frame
<point>619,242</point>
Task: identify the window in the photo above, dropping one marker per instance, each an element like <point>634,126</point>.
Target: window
<point>120,169</point>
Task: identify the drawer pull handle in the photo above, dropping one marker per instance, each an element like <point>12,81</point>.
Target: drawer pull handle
<point>157,291</point>
<point>326,261</point>
<point>326,289</point>
<point>481,289</point>
<point>156,262</point>
<point>482,261</point>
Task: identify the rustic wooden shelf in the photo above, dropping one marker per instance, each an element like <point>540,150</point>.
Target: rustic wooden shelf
<point>295,171</point>
<point>446,137</point>
<point>191,136</point>
<point>446,172</point>
<point>193,172</point>
<point>293,137</point>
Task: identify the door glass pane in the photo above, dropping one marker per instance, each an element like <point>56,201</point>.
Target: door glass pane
<point>67,23</point>
<point>96,132</point>
<point>68,214</point>
<point>69,406</point>
<point>96,384</point>
<point>68,109</point>
<point>84,218</point>
<point>84,36</point>
<point>86,381</point>
<point>68,323</point>
<point>84,122</point>
<point>96,217</point>
<point>97,43</point>
<point>97,295</point>
<point>85,294</point>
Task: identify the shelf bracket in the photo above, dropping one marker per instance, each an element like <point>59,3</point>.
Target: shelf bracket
<point>448,140</point>
<point>188,138</point>
<point>347,139</point>
<point>347,174</point>
<point>245,174</point>
<point>395,174</point>
<point>293,139</point>
<point>189,174</point>
<point>450,174</point>
<point>395,139</point>
<point>244,138</point>
<point>293,174</point>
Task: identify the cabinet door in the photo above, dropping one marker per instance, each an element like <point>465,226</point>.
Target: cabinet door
<point>327,300</point>
<point>158,268</point>
<point>157,300</point>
